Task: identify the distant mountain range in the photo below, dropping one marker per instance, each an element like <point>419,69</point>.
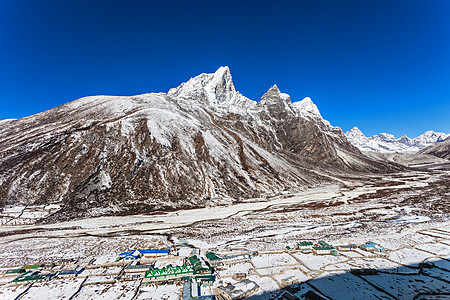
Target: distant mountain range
<point>387,143</point>
<point>201,144</point>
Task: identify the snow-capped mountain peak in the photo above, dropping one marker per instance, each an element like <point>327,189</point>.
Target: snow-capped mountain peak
<point>404,139</point>
<point>307,108</point>
<point>275,95</point>
<point>430,137</point>
<point>215,88</point>
<point>357,131</point>
<point>387,143</point>
<point>385,137</point>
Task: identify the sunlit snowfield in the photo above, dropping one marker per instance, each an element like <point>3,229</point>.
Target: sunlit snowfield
<point>407,213</point>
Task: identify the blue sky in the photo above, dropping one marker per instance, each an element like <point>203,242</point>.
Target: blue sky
<point>381,65</point>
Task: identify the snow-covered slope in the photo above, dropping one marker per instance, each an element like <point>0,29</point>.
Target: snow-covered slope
<point>201,144</point>
<point>440,149</point>
<point>387,143</point>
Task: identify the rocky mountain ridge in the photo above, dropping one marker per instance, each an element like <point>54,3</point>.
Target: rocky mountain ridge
<point>200,144</point>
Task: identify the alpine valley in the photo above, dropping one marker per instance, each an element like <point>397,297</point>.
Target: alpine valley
<point>202,193</point>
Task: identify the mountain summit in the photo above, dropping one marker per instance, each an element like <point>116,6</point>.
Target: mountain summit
<point>212,89</point>
<point>200,144</point>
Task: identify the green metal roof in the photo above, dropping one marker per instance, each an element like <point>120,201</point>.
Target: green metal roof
<point>31,266</point>
<point>14,271</point>
<point>323,248</point>
<point>29,278</point>
<point>193,259</point>
<point>204,278</point>
<point>324,244</point>
<point>304,243</point>
<point>212,256</point>
<point>167,271</point>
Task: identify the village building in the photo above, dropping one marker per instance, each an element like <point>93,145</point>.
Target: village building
<point>349,247</point>
<point>213,259</point>
<point>235,258</point>
<point>142,253</point>
<point>65,261</point>
<point>239,276</point>
<point>168,273</point>
<point>137,268</point>
<point>198,265</point>
<point>136,271</point>
<point>324,250</point>
<point>204,279</point>
<point>239,290</point>
<point>30,277</point>
<point>305,245</point>
<point>288,281</point>
<point>187,290</point>
<point>72,272</point>
<point>31,267</point>
<point>14,272</point>
<point>154,252</point>
<point>130,255</point>
<point>371,246</point>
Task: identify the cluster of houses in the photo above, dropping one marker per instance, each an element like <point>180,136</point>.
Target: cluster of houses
<point>41,272</point>
<point>197,272</point>
<point>323,248</point>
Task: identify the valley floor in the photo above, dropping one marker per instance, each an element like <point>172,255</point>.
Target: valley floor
<point>407,213</point>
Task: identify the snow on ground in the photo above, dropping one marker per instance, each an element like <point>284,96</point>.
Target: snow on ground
<point>264,226</point>
<point>438,248</point>
<point>342,285</point>
<point>100,279</point>
<point>266,284</point>
<point>174,261</point>
<point>407,256</point>
<point>94,272</point>
<point>273,270</point>
<point>438,234</point>
<point>55,289</point>
<point>315,262</point>
<point>104,259</point>
<point>408,286</point>
<point>267,260</point>
<point>364,263</point>
<point>119,290</point>
<point>158,292</point>
<point>296,273</point>
<point>11,291</point>
<point>351,254</point>
<point>237,268</point>
<point>412,219</point>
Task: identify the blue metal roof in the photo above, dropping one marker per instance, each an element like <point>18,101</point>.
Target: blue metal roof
<point>145,251</point>
<point>153,251</point>
<point>67,272</point>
